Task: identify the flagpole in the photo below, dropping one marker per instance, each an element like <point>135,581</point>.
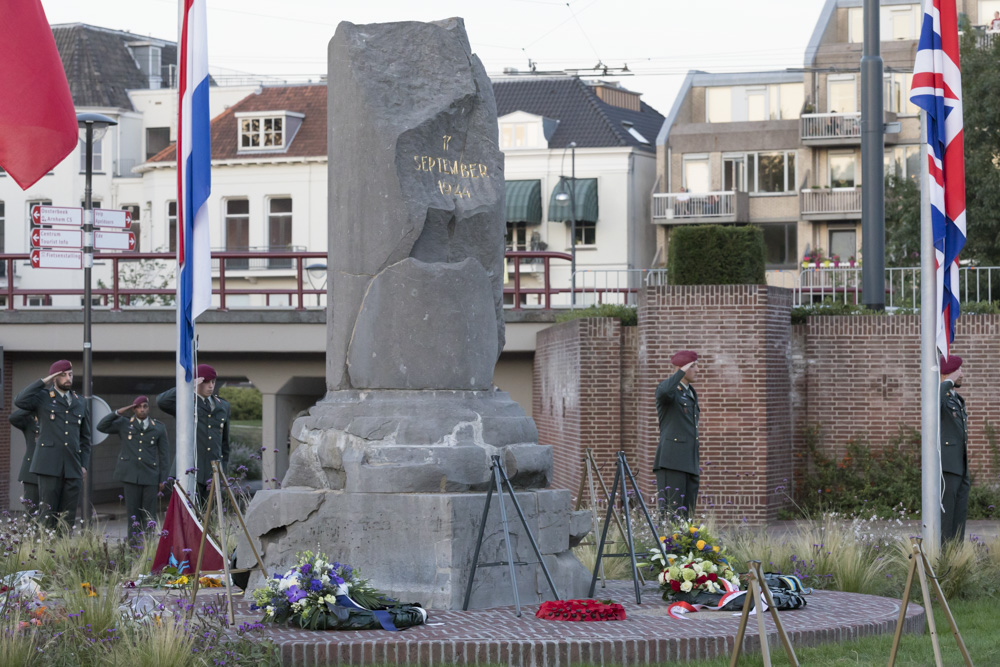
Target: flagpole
<point>185,415</point>
<point>930,413</point>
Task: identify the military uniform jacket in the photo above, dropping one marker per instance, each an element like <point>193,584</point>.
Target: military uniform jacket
<point>144,457</point>
<point>63,445</point>
<point>954,430</point>
<point>212,433</point>
<point>25,422</point>
<point>678,412</point>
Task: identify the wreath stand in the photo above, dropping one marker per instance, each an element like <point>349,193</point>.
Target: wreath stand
<point>621,471</point>
<point>590,472</point>
<point>218,481</point>
<point>755,589</point>
<point>920,565</point>
<point>499,481</point>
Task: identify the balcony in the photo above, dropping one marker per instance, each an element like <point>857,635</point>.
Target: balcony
<point>835,204</point>
<point>838,129</point>
<point>256,259</point>
<point>673,208</point>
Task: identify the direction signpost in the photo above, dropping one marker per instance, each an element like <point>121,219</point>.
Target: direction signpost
<point>113,240</point>
<point>56,259</point>
<point>57,215</point>
<point>112,217</point>
<point>56,238</point>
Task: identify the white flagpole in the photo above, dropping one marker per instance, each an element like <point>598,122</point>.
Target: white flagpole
<point>930,382</point>
<point>185,415</point>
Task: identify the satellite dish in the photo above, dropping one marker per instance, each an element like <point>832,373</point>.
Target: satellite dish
<point>99,409</point>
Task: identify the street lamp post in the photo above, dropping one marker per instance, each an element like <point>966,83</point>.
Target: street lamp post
<point>94,126</point>
<point>562,197</point>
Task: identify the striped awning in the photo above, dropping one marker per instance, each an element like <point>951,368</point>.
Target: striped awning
<point>585,193</point>
<point>524,202</point>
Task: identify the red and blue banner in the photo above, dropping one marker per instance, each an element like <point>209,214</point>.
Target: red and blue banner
<point>194,181</point>
<point>937,89</point>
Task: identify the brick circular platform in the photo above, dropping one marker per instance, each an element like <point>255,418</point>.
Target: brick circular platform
<point>648,636</point>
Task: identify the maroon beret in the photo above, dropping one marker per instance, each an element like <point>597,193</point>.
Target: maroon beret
<point>684,357</point>
<point>205,372</point>
<point>139,400</point>
<point>951,364</point>
<point>60,366</point>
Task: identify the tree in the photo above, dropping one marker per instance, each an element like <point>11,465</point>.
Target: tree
<point>902,221</point>
<point>981,107</point>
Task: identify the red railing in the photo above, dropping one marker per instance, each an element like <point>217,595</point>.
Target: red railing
<point>116,296</point>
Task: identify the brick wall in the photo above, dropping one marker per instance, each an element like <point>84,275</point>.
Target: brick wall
<point>595,383</point>
<point>861,380</point>
<point>577,393</point>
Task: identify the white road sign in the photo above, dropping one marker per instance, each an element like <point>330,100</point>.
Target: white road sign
<point>57,215</point>
<point>56,238</point>
<point>56,259</point>
<point>112,217</point>
<point>113,240</point>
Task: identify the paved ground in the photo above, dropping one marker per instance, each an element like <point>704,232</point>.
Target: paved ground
<point>647,636</point>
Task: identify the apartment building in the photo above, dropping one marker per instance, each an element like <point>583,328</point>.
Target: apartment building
<point>782,149</point>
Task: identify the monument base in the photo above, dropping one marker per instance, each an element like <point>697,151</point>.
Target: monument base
<point>418,547</point>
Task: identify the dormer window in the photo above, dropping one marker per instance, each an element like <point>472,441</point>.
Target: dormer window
<point>524,130</point>
<point>267,132</point>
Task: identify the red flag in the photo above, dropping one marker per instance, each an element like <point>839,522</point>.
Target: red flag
<point>181,538</point>
<point>37,120</point>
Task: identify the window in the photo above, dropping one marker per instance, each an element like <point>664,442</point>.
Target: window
<point>781,245</point>
<point>98,165</point>
<point>237,231</point>
<point>134,210</point>
<point>843,172</point>
<point>517,235</point>
<point>734,173</point>
<point>843,243</point>
<point>172,226</point>
<point>718,105</point>
<point>903,162</point>
<point>262,132</point>
<point>842,93</point>
<point>95,203</point>
<point>586,233</point>
<point>279,231</point>
<point>791,98</point>
<point>696,173</point>
<point>770,172</point>
<point>756,104</point>
<point>157,138</point>
<point>519,135</point>
<point>895,22</point>
<point>987,9</point>
<point>896,95</point>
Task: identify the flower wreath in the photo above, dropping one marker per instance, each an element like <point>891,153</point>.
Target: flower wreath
<point>581,610</point>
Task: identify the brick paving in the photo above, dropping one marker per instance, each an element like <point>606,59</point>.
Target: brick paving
<point>498,636</point>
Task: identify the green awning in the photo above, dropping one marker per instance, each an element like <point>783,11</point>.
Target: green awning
<point>524,202</point>
<point>585,193</point>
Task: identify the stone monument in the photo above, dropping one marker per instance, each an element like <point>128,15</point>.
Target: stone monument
<point>391,466</point>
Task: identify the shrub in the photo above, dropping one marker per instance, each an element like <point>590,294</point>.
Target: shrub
<point>624,314</point>
<point>245,402</point>
<point>716,255</point>
<point>241,455</point>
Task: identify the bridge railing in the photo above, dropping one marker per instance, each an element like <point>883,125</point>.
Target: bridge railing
<point>122,284</point>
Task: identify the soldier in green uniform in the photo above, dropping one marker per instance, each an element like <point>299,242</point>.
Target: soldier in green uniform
<point>25,422</point>
<point>143,461</point>
<point>212,433</point>
<point>62,453</point>
<point>676,466</point>
<point>954,454</point>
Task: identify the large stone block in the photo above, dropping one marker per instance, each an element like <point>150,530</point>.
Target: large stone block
<point>415,172</point>
<point>419,547</point>
<point>426,326</point>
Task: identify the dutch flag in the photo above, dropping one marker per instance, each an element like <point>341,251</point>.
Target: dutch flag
<point>937,89</point>
<point>194,181</point>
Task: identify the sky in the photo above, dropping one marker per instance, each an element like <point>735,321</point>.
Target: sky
<point>658,40</point>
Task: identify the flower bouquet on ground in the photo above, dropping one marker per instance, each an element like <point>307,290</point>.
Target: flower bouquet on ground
<point>581,610</point>
<point>318,594</point>
<point>691,566</point>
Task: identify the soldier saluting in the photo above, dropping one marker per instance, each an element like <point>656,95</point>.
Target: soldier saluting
<point>144,459</point>
<point>25,422</point>
<point>677,466</point>
<point>954,454</point>
<point>62,454</point>
<point>212,433</point>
